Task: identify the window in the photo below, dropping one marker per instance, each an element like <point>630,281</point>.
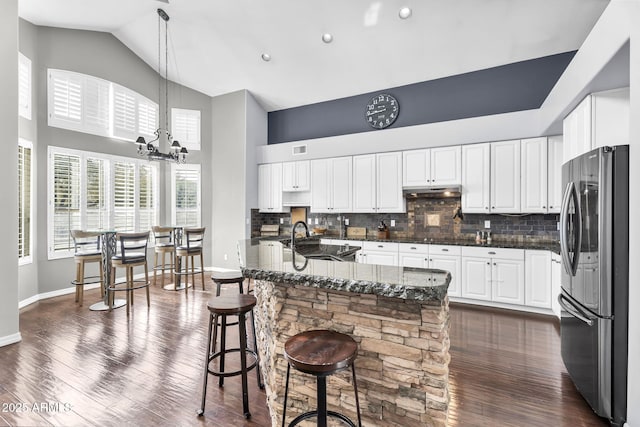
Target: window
<point>88,104</point>
<point>24,201</point>
<point>185,127</point>
<point>24,86</point>
<point>95,191</point>
<point>185,195</point>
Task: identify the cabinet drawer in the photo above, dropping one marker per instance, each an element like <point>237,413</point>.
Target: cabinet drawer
<point>380,246</point>
<point>445,250</point>
<point>413,248</point>
<point>503,253</point>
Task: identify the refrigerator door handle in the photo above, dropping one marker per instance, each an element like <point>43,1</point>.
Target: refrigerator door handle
<point>573,310</point>
<point>570,263</point>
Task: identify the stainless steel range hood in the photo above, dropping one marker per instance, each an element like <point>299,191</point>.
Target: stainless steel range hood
<point>432,192</point>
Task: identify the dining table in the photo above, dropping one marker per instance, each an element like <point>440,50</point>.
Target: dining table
<point>108,248</point>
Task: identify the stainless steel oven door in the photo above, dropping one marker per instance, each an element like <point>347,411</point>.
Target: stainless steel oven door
<point>586,344</point>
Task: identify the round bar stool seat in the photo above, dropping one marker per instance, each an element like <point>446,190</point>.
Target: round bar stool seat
<point>219,308</point>
<point>321,353</point>
<point>222,276</point>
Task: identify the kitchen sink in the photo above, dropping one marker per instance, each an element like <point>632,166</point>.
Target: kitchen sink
<point>324,257</point>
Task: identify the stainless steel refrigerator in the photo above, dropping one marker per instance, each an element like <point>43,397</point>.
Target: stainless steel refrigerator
<point>594,244</point>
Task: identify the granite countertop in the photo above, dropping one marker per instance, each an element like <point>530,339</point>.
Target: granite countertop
<point>553,246</point>
<point>273,261</point>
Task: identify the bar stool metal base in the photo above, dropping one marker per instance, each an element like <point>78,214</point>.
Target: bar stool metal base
<point>102,306</point>
<point>220,308</point>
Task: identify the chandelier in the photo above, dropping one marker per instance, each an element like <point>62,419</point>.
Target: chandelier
<point>146,149</point>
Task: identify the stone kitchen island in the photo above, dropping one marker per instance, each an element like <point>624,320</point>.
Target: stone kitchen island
<point>399,317</point>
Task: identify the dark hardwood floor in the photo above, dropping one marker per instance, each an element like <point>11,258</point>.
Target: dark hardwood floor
<point>75,367</point>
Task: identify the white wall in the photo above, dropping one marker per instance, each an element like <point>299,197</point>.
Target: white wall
<point>498,127</point>
<point>9,332</point>
<point>239,125</point>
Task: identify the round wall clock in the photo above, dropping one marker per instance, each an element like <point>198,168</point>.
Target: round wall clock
<point>382,110</point>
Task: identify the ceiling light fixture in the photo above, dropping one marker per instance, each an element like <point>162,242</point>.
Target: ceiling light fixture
<point>327,38</point>
<point>146,149</point>
<point>405,13</point>
<point>266,57</point>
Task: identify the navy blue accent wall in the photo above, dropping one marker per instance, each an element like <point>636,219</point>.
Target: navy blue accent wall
<point>513,87</point>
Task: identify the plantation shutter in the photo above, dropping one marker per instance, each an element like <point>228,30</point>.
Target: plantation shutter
<point>24,202</point>
<point>66,195</point>
<point>124,113</point>
<point>97,214</point>
<point>185,127</point>
<point>65,100</point>
<point>147,117</point>
<point>24,87</point>
<point>124,205</point>
<point>187,197</point>
<point>96,103</point>
<point>147,201</point>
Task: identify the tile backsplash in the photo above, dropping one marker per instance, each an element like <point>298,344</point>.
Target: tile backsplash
<point>430,218</point>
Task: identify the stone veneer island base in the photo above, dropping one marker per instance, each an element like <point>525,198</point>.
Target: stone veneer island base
<point>401,325</point>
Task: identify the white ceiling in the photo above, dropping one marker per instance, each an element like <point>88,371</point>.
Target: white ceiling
<point>217,44</point>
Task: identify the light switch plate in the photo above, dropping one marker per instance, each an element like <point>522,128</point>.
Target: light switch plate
<point>346,221</point>
<point>393,222</point>
<point>281,220</point>
<point>487,224</point>
<point>317,222</point>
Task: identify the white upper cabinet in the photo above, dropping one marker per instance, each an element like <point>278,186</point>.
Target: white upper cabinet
<point>600,119</point>
<point>416,168</point>
<point>389,182</point>
<point>505,177</point>
<point>364,183</point>
<point>377,183</point>
<point>446,166</point>
<point>270,188</point>
<point>331,185</point>
<point>534,175</point>
<point>431,167</point>
<point>476,173</point>
<point>296,176</point>
<point>554,173</point>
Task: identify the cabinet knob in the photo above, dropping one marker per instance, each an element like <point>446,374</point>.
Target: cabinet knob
<point>380,246</point>
<point>493,207</point>
<point>491,253</point>
<point>445,250</point>
<point>543,207</point>
<point>486,207</point>
<point>550,207</point>
<point>488,263</point>
<point>494,263</point>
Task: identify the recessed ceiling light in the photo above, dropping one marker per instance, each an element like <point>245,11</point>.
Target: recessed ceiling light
<point>327,38</point>
<point>266,57</point>
<point>405,13</point>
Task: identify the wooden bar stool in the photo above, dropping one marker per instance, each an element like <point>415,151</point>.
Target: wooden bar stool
<point>192,246</point>
<point>87,249</point>
<point>321,353</point>
<point>164,244</point>
<point>222,276</point>
<point>219,308</point>
<point>132,253</point>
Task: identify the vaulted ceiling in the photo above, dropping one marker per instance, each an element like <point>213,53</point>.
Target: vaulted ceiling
<point>216,46</point>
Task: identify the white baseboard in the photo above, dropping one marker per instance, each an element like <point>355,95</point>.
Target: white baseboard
<point>10,339</point>
<point>66,291</point>
<point>59,292</point>
<point>528,309</point>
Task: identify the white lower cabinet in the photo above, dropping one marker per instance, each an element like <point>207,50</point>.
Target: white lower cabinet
<point>537,280</point>
<point>493,274</point>
<point>476,278</point>
<point>379,253</point>
<point>452,265</point>
<point>410,255</point>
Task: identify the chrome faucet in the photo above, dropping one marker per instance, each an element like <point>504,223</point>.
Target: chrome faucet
<point>293,232</point>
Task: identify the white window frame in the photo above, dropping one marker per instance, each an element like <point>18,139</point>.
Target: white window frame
<point>185,127</point>
<point>175,168</point>
<point>28,259</point>
<point>24,86</point>
<point>99,107</point>
<point>110,161</point>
